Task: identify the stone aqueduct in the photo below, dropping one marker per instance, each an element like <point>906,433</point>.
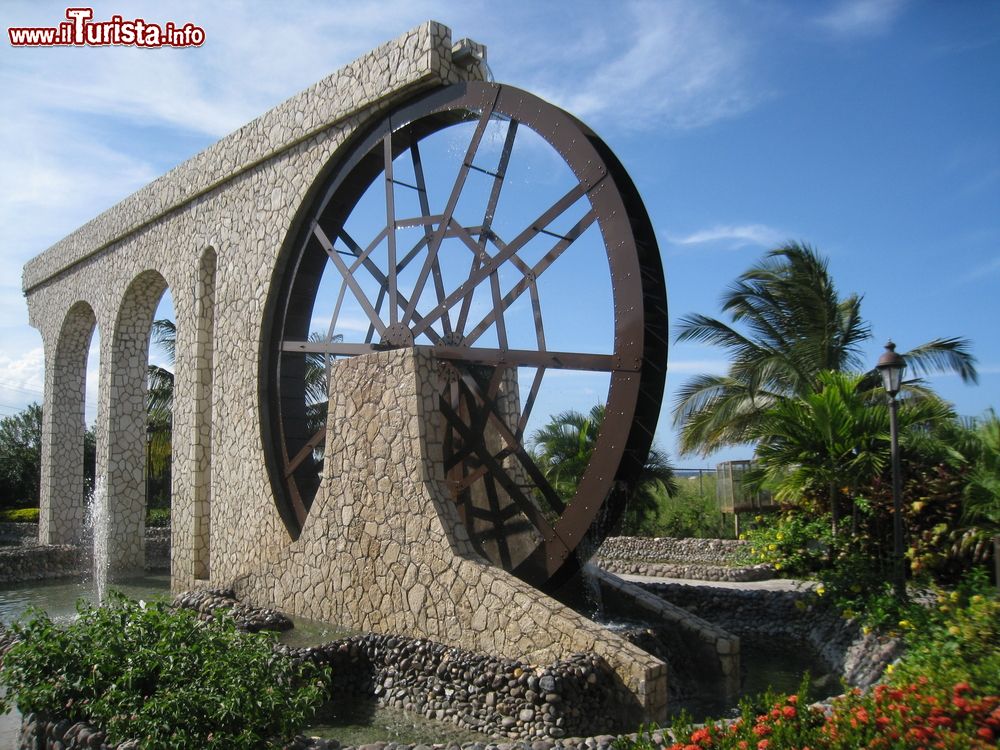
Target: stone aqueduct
<point>210,230</point>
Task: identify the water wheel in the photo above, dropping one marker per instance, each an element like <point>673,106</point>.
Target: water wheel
<point>500,233</point>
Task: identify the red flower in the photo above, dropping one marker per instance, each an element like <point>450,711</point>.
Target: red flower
<point>962,688</point>
<point>986,733</point>
<point>698,735</point>
<point>788,712</point>
<point>763,744</point>
<point>762,730</point>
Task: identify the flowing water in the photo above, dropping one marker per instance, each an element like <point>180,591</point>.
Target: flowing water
<point>98,523</point>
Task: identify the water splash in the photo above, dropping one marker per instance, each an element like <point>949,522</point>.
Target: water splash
<point>98,523</point>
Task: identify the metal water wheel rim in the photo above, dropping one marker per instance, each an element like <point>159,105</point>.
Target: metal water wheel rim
<point>636,366</point>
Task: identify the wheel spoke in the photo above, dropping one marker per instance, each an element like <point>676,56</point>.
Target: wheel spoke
<point>477,276</point>
<point>555,502</point>
<point>449,211</point>
<point>498,472</point>
<point>425,209</point>
<point>349,278</point>
<point>390,225</point>
<point>496,314</point>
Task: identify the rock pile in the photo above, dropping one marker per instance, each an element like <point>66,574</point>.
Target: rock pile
<point>208,602</point>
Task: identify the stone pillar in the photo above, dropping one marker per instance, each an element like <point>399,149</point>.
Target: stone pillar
<point>383,548</point>
<point>122,424</point>
<point>63,509</point>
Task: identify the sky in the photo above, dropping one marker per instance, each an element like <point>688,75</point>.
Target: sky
<point>869,129</point>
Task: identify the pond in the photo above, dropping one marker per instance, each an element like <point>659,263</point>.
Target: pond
<point>352,723</point>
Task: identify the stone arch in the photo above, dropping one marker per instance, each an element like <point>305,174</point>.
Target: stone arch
<point>63,503</point>
<point>121,456</point>
<point>201,443</point>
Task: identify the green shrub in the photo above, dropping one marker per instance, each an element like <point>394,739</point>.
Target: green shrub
<point>957,640</point>
<point>795,543</point>
<point>19,515</point>
<point>163,677</point>
<point>158,517</point>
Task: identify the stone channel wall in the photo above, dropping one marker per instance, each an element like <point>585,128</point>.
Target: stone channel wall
<point>16,534</point>
<point>665,557</point>
<point>25,564</point>
<point>30,561</point>
<point>840,643</point>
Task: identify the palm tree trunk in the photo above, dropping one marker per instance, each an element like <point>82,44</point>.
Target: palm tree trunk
<point>834,512</point>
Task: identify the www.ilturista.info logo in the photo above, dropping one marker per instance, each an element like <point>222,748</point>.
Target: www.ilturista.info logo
<point>80,31</point>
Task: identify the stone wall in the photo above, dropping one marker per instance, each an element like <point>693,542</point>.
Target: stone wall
<point>499,697</point>
<point>30,561</point>
<point>665,557</point>
<point>16,534</point>
<point>383,549</point>
<point>35,563</point>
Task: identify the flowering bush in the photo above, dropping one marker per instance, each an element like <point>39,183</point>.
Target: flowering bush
<point>944,694</point>
<point>911,716</point>
<point>795,543</point>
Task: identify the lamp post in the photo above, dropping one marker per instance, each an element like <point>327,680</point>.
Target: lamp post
<point>890,366</point>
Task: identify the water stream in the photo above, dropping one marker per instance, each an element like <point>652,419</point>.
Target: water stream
<point>99,525</point>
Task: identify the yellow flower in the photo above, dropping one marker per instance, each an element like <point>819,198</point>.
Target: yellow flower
<point>772,547</point>
<point>905,624</point>
<point>890,669</point>
<point>866,630</point>
<point>779,536</point>
<point>777,566</point>
<point>954,630</point>
<point>820,590</point>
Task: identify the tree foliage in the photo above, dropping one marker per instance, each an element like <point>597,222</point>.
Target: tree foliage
<point>789,325</point>
<point>21,456</point>
<point>563,447</point>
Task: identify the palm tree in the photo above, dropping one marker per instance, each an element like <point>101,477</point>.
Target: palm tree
<point>834,438</point>
<point>160,397</point>
<point>562,449</point>
<point>789,324</point>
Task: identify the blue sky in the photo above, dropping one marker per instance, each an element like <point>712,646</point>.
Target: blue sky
<point>870,130</point>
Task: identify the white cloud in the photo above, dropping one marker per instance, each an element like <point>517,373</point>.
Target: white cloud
<point>653,65</point>
<point>22,377</point>
<point>733,236</point>
<point>862,17</point>
<point>989,268</point>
